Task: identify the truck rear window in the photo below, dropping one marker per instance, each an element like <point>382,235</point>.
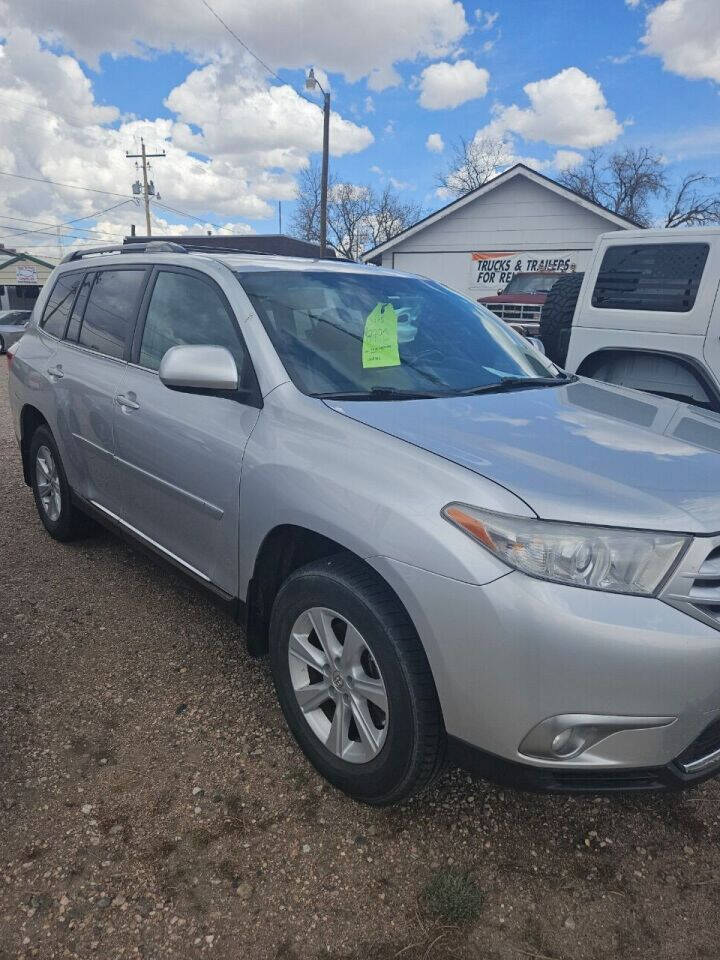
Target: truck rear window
<point>650,276</point>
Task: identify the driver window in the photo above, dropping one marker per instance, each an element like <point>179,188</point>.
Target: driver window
<point>187,310</point>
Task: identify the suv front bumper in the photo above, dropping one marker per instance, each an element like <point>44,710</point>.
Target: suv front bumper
<point>511,653</point>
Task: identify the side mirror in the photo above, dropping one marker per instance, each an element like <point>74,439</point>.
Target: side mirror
<point>197,368</point>
<point>537,343</point>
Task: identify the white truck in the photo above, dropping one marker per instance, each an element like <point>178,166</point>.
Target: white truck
<point>646,314</point>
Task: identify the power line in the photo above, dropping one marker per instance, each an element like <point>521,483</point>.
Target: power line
<point>66,223</point>
<point>190,216</point>
<point>56,183</point>
<point>241,42</point>
<point>252,52</point>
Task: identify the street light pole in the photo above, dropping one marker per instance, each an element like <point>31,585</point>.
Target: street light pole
<point>310,84</point>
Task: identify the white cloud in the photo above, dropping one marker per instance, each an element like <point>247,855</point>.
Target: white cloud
<point>389,128</point>
<point>632,3</point>
<point>400,184</point>
<point>435,143</point>
<point>355,39</point>
<point>369,105</point>
<point>685,34</point>
<point>250,137</point>
<point>241,116</point>
<point>486,19</point>
<point>566,159</point>
<point>447,85</point>
<point>380,78</point>
<point>161,225</point>
<point>569,109</point>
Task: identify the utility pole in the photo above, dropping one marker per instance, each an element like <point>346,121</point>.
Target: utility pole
<point>310,83</point>
<point>145,156</point>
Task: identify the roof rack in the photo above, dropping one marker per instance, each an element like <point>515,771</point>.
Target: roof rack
<point>152,246</point>
<point>167,246</point>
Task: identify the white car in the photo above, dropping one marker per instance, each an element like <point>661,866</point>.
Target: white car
<point>644,315</point>
<point>12,327</point>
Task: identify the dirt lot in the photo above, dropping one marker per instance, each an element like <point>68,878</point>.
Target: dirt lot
<point>153,804</point>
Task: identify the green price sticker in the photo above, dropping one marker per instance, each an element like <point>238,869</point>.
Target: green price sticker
<point>380,339</point>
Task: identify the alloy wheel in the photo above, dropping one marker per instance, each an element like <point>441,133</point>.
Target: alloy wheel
<point>338,685</point>
<point>48,483</point>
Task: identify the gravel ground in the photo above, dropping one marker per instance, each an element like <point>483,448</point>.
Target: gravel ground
<point>154,805</point>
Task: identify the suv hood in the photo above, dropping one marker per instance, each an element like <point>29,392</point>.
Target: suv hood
<point>585,452</point>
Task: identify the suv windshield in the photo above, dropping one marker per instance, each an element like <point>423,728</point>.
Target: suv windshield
<point>531,283</point>
<point>393,337</point>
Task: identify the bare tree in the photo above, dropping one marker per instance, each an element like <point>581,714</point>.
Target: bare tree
<point>473,163</point>
<point>625,182</point>
<point>391,215</point>
<point>695,203</point>
<point>349,209</point>
<point>357,217</point>
<point>306,218</point>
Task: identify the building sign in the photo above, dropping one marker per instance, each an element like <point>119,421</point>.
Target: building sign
<point>26,273</point>
<point>491,272</point>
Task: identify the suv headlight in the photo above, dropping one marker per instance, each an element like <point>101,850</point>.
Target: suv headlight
<point>598,558</point>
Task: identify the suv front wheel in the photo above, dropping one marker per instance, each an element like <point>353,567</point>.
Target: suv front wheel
<point>51,490</point>
<point>354,683</point>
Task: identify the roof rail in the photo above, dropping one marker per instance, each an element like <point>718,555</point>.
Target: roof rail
<point>168,246</point>
<point>152,246</point>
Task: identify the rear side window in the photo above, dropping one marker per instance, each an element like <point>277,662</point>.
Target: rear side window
<point>652,276</point>
<point>57,309</point>
<point>110,311</point>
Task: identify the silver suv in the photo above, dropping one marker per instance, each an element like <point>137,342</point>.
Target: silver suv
<point>448,546</point>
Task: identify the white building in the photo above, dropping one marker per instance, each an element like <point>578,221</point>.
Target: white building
<point>21,278</point>
<point>518,222</point>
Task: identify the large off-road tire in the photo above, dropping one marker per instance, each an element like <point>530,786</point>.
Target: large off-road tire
<point>62,520</point>
<point>354,682</point>
<point>557,316</point>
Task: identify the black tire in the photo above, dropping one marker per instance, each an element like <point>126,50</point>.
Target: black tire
<point>557,316</point>
<point>2,346</point>
<point>70,522</point>
<point>414,747</point>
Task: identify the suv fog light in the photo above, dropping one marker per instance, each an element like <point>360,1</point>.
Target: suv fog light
<point>568,735</point>
<point>568,743</point>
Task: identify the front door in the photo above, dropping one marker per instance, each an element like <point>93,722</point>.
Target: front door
<point>180,454</point>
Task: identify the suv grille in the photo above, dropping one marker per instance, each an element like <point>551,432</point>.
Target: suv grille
<point>695,587</point>
<point>523,317</point>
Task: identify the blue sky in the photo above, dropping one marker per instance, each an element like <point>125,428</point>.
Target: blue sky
<point>605,74</point>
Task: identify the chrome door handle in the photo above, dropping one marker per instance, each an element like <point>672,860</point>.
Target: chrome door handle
<point>55,372</point>
<point>126,402</point>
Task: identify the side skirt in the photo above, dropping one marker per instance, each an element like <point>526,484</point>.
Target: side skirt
<point>236,607</point>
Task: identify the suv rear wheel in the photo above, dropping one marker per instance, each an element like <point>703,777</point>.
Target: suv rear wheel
<point>354,683</point>
<point>50,488</point>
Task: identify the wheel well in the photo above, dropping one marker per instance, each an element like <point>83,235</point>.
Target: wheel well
<point>30,420</point>
<point>664,374</point>
<point>284,550</point>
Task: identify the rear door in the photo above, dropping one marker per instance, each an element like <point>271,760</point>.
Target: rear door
<point>180,454</point>
<point>89,366</point>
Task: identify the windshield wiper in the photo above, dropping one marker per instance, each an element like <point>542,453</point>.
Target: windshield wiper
<point>518,383</point>
<point>381,393</point>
